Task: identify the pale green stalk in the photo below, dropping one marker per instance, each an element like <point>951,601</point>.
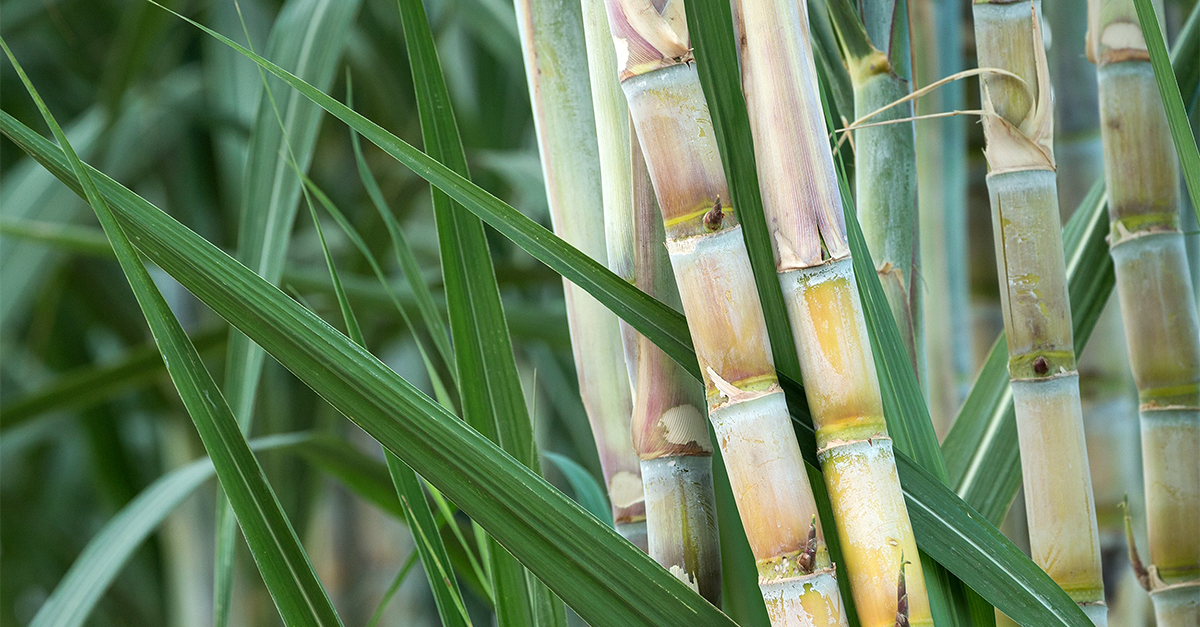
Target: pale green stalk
<point>556,68</point>
<point>616,168</point>
<point>669,431</point>
<point>1037,317</point>
<point>728,328</point>
<point>1106,389</point>
<point>942,209</point>
<point>878,53</point>
<point>1157,302</point>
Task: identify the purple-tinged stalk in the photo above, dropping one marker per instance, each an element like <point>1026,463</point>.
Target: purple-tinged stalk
<point>804,214</point>
<point>669,431</point>
<point>719,297</point>
<point>556,68</point>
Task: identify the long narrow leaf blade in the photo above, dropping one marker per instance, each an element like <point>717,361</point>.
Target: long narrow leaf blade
<point>602,577</point>
<point>1168,88</point>
<point>289,576</point>
<point>271,190</point>
<point>483,353</point>
<point>416,508</point>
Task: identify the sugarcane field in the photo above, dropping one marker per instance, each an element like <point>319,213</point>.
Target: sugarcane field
<point>609,313</point>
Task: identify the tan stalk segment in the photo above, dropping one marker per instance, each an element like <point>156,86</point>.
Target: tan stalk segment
<point>719,297</point>
<point>669,430</point>
<point>804,213</point>
<point>1021,181</point>
<point>1157,303</point>
<point>555,63</point>
<point>670,433</point>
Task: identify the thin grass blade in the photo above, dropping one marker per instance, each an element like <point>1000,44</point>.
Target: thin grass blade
<point>428,541</point>
<point>1169,89</point>
<point>483,348</point>
<point>404,254</point>
<point>270,198</point>
<point>601,577</point>
<point>285,568</point>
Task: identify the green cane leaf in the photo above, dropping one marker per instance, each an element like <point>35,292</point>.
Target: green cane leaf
<point>483,350</point>
<point>1169,89</point>
<point>602,577</point>
<point>271,191</point>
<point>1047,609</point>
<point>588,492</point>
<point>285,568</point>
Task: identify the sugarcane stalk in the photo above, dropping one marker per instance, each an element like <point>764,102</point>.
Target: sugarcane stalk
<point>942,209</point>
<point>616,166</point>
<point>1157,303</point>
<point>717,289</point>
<point>804,212</point>
<point>669,430</point>
<point>1106,388</point>
<point>556,68</point>
<point>878,53</point>
<point>670,433</point>
<point>1037,317</point>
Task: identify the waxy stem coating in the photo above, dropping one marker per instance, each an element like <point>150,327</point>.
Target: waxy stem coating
<point>1037,317</point>
<point>716,284</point>
<point>1158,302</point>
<point>804,214</point>
<point>551,40</point>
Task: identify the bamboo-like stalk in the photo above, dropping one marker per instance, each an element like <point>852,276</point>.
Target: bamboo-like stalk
<point>1037,317</point>
<point>1106,388</point>
<point>555,66</point>
<point>812,257</point>
<point>942,209</point>
<point>670,433</point>
<point>717,289</point>
<point>1157,302</point>
<point>668,427</point>
<point>878,53</point>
